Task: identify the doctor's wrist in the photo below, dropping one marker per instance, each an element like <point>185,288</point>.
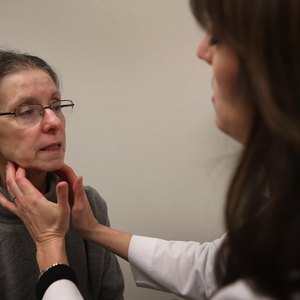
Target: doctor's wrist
<point>50,253</point>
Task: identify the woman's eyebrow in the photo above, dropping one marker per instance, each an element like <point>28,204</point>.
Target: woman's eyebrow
<point>22,100</point>
<point>56,94</point>
<point>31,99</point>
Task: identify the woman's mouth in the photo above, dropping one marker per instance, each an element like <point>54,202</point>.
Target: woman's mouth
<point>52,147</point>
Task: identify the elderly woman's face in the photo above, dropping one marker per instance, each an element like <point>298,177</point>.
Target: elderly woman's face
<point>40,146</point>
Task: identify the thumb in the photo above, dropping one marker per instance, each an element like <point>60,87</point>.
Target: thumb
<point>79,192</point>
<point>66,173</point>
<point>62,191</point>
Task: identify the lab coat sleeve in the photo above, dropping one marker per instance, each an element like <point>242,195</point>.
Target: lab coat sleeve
<point>62,289</point>
<point>183,268</point>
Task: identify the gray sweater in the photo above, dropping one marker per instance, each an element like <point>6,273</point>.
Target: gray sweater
<point>98,273</point>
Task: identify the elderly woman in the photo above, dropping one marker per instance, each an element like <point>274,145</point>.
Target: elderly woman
<point>32,136</point>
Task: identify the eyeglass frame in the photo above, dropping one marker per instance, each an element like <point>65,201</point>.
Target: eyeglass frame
<point>42,110</point>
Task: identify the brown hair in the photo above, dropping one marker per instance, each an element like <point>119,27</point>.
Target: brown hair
<point>262,212</point>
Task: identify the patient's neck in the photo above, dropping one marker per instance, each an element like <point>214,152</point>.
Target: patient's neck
<point>38,179</point>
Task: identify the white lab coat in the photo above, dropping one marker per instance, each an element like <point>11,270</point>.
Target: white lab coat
<point>62,289</point>
<point>183,268</point>
<point>67,290</point>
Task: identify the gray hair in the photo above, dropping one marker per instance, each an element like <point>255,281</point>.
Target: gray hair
<point>12,61</point>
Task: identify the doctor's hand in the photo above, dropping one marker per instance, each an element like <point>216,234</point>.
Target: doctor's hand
<point>47,222</point>
<point>83,219</point>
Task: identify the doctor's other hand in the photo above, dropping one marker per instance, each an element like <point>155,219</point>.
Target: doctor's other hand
<point>46,221</point>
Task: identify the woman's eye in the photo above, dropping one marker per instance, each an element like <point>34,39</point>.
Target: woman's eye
<point>56,108</point>
<point>214,41</point>
<point>27,112</point>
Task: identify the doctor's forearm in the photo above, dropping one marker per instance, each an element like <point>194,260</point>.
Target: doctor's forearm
<point>50,253</point>
<point>113,240</point>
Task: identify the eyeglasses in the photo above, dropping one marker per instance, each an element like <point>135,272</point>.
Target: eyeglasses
<point>32,113</point>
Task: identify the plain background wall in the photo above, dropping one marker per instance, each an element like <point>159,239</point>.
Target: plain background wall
<point>143,130</point>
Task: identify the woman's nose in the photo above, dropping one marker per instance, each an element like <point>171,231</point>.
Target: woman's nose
<point>50,120</point>
<point>204,51</point>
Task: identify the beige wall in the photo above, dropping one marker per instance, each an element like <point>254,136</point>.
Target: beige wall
<point>143,129</point>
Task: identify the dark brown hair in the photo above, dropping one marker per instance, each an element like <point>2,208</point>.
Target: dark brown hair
<point>262,213</point>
